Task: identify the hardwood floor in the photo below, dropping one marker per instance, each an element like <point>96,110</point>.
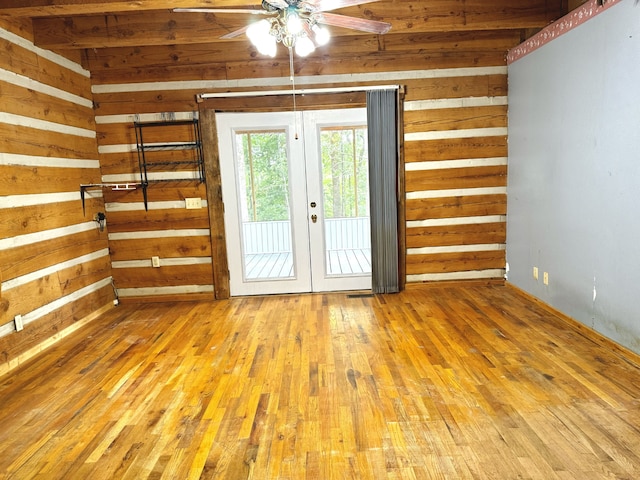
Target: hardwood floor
<point>442,383</point>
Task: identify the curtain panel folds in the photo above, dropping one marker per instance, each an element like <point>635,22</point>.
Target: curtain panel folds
<point>382,125</point>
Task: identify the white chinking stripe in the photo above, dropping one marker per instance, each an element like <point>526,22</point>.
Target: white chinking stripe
<point>462,133</point>
<point>175,290</point>
<point>165,262</point>
<point>49,55</point>
<point>30,122</point>
<point>488,247</point>
<point>441,222</point>
<point>15,282</point>
<point>456,192</point>
<point>120,148</point>
<point>30,200</point>
<point>39,161</point>
<point>139,206</point>
<point>26,82</point>
<point>195,232</point>
<point>55,305</point>
<point>31,238</point>
<point>468,275</point>
<point>462,163</point>
<point>419,105</point>
<point>304,80</point>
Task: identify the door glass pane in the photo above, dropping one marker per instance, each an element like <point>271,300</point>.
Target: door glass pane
<point>263,176</point>
<point>345,190</point>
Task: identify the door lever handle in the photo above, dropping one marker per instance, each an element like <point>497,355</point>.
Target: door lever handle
<point>314,218</point>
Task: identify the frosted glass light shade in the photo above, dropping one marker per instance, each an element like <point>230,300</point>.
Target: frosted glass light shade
<point>294,24</point>
<point>322,35</point>
<point>261,38</point>
<point>304,46</point>
<point>258,31</point>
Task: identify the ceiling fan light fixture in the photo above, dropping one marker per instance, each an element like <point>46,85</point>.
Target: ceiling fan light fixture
<point>259,34</point>
<point>288,41</point>
<point>304,46</point>
<point>293,23</point>
<point>258,31</point>
<point>296,21</point>
<point>288,29</point>
<point>269,48</point>
<point>321,35</point>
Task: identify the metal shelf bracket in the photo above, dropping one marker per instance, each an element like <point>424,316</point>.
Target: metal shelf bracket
<point>113,186</point>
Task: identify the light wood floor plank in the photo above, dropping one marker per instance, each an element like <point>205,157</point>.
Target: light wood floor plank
<point>446,382</point>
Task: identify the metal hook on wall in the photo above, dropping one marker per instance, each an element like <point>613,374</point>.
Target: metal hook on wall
<point>100,218</point>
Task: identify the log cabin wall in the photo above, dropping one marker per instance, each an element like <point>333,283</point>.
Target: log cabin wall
<point>54,262</point>
<point>455,128</point>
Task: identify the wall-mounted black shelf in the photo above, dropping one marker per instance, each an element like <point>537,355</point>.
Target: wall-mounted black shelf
<point>152,155</point>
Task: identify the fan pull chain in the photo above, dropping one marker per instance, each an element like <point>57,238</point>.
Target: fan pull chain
<point>293,92</point>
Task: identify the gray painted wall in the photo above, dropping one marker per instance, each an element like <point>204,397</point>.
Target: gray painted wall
<point>574,173</point>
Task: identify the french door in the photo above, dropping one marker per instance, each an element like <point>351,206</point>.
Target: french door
<point>295,189</point>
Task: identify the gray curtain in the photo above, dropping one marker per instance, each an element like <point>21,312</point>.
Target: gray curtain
<point>382,125</point>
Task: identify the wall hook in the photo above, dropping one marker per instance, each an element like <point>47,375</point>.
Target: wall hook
<point>100,218</point>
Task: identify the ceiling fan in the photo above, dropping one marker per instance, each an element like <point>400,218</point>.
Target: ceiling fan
<point>296,24</point>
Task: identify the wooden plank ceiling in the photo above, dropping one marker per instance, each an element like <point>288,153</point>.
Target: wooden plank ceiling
<point>87,24</point>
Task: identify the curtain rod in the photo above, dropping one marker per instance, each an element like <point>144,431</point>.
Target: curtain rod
<point>265,93</point>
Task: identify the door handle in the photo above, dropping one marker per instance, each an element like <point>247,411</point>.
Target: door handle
<point>314,218</point>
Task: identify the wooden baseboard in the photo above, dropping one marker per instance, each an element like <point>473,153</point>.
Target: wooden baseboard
<point>590,333</point>
<point>9,365</point>
<point>455,283</point>
<point>187,297</point>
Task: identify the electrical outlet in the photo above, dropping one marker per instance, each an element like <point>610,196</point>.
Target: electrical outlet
<point>18,322</point>
<point>155,262</point>
<point>192,203</point>
<point>535,273</point>
<point>545,278</point>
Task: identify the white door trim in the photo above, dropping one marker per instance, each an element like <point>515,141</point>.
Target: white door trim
<point>228,124</point>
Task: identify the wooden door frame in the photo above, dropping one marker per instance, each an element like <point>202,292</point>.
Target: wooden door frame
<point>220,265</point>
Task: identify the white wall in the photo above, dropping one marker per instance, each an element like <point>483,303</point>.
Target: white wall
<point>574,173</point>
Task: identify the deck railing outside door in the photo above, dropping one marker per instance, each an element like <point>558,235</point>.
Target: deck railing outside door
<point>275,237</point>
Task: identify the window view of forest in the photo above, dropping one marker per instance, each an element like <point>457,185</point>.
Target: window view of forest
<point>345,173</point>
<point>263,173</point>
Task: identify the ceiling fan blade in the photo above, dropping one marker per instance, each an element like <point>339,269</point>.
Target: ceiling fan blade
<point>362,24</point>
<point>328,5</point>
<point>253,11</point>
<point>235,33</point>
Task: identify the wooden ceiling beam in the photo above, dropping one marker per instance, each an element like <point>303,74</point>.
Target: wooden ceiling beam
<point>55,8</point>
<point>159,28</point>
<point>168,28</point>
